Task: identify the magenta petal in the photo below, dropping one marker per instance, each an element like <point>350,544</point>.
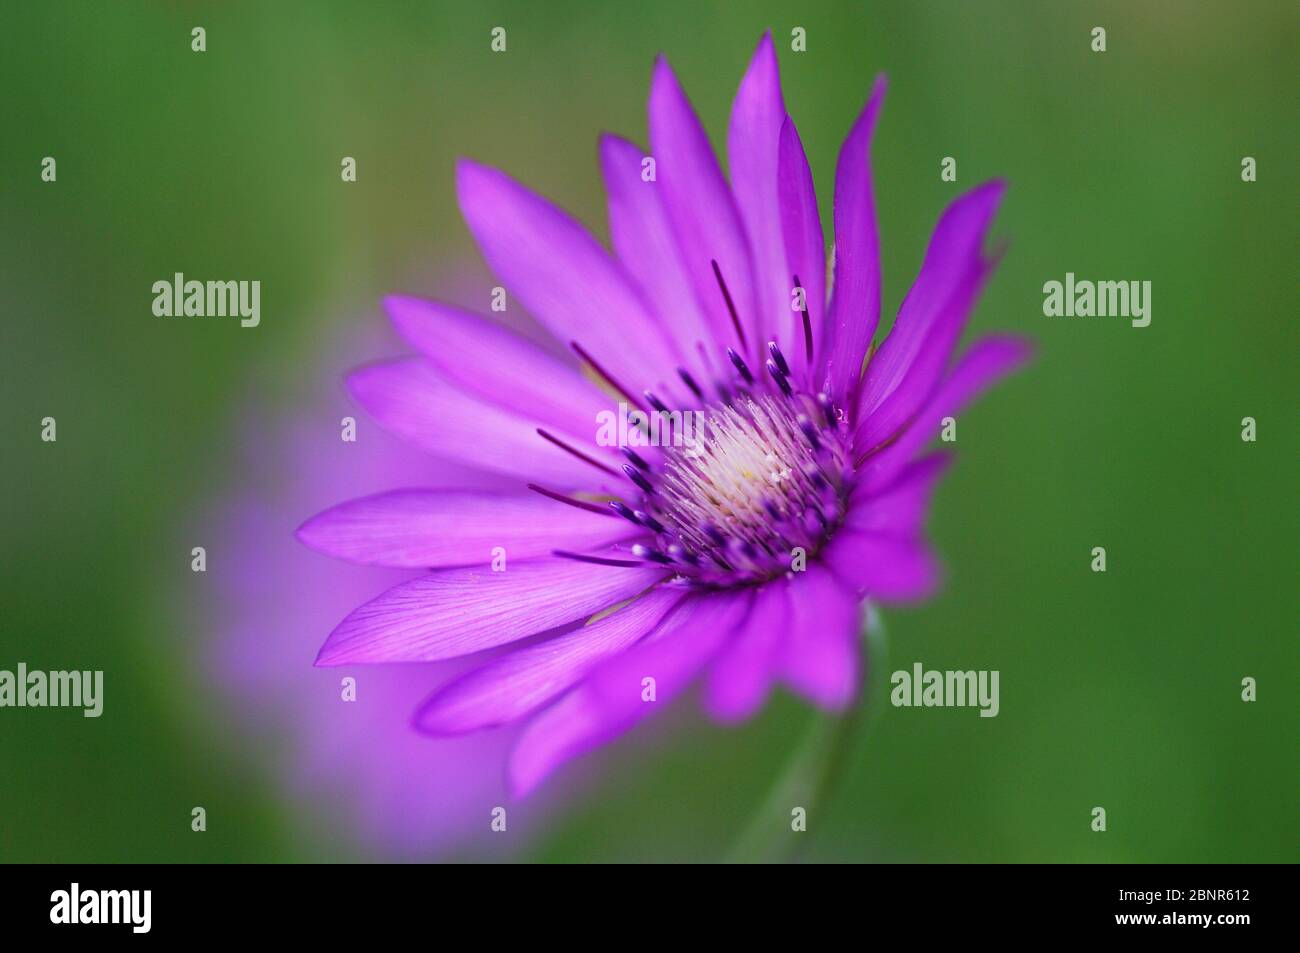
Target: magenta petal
<point>753,140</point>
<point>410,399</point>
<point>855,300</point>
<point>901,509</point>
<point>910,361</point>
<point>643,238</point>
<point>700,206</point>
<point>887,568</point>
<point>805,245</point>
<point>527,678</point>
<point>499,366</point>
<point>423,529</point>
<point>987,360</point>
<point>672,654</point>
<point>455,612</point>
<point>574,725</point>
<point>562,275</point>
<point>820,653</point>
<point>614,697</point>
<point>742,674</point>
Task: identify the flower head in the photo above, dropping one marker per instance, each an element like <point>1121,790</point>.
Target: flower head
<point>742,553</point>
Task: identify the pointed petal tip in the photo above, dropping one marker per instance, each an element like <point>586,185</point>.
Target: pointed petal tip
<point>986,193</point>
<point>402,311</point>
<point>1017,349</point>
<point>865,123</point>
<point>421,322</point>
<point>664,83</point>
<point>524,775</point>
<point>336,650</point>
<point>940,461</point>
<point>472,176</point>
<point>878,89</point>
<point>355,386</point>
<point>359,381</point>
<point>759,95</point>
<point>467,166</point>
<point>430,719</point>
<point>305,533</point>
<point>401,302</point>
<point>730,713</point>
<point>521,784</point>
<point>465,170</point>
<point>610,147</point>
<point>326,657</point>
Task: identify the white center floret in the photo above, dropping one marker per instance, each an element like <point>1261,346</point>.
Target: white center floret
<point>750,470</point>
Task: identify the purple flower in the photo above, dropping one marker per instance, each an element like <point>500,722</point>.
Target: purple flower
<point>742,555</point>
<point>354,765</point>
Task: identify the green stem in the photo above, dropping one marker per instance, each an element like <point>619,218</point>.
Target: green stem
<point>812,771</point>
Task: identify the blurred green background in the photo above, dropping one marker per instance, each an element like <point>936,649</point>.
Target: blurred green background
<point>1119,689</point>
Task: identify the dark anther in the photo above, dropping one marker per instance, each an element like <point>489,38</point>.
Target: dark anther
<point>778,357</point>
<point>656,403</point>
<point>689,381</point>
<point>809,431</point>
<point>780,379</point>
<point>634,475</point>
<point>740,365</point>
<point>648,520</point>
<point>625,511</point>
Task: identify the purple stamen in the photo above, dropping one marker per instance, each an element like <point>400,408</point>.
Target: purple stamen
<point>778,357</point>
<point>740,365</point>
<point>637,478</point>
<point>561,498</point>
<point>577,453</point>
<point>647,520</point>
<point>645,552</point>
<point>731,307</point>
<point>827,409</point>
<point>625,511</point>
<point>777,376</point>
<point>598,560</point>
<point>689,381</point>
<point>610,379</point>
<point>681,554</point>
<point>807,322</point>
<point>656,403</point>
<point>638,420</point>
<point>638,461</point>
<point>809,431</point>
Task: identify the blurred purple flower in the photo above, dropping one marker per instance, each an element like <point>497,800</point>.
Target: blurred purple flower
<point>689,557</point>
<point>395,792</point>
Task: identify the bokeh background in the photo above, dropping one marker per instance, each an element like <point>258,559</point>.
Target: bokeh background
<point>1119,689</point>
